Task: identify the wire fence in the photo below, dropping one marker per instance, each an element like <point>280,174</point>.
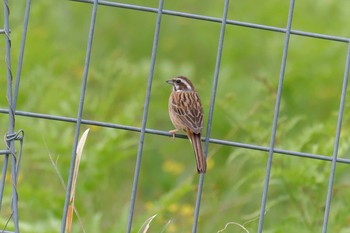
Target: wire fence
<point>12,157</point>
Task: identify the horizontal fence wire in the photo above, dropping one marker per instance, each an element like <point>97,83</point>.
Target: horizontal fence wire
<point>270,150</point>
<point>181,136</point>
<point>4,152</point>
<point>219,20</point>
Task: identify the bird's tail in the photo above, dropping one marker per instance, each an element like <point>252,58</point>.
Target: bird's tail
<point>198,152</point>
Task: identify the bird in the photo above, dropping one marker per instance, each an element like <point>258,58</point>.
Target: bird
<point>186,113</point>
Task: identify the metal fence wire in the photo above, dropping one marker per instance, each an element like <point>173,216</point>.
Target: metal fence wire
<point>11,160</point>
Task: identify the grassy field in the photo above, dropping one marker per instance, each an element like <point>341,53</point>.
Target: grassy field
<point>51,81</point>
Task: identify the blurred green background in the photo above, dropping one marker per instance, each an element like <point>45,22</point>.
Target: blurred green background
<point>51,81</point>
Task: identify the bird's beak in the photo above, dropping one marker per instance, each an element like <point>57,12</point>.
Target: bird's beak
<point>170,81</point>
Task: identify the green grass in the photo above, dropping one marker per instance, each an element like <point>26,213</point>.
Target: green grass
<point>51,81</point>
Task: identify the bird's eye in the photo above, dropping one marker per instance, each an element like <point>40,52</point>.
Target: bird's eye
<point>178,81</point>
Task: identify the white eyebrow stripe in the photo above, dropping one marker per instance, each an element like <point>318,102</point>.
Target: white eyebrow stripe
<point>187,84</point>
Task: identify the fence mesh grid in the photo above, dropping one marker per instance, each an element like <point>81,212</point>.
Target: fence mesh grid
<point>13,157</point>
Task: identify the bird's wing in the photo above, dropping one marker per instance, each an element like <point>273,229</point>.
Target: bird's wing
<point>188,108</point>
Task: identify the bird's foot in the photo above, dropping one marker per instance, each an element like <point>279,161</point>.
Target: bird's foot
<point>173,132</point>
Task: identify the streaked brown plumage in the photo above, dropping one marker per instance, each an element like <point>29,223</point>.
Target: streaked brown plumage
<point>186,113</point>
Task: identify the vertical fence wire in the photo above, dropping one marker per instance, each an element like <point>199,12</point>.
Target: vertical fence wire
<point>336,142</point>
<point>211,112</point>
<point>80,112</point>
<point>144,117</point>
<point>20,135</point>
<point>8,138</point>
<point>12,100</point>
<point>9,79</point>
<point>275,118</point>
<point>21,52</point>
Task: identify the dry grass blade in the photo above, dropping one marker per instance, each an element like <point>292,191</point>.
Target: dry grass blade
<point>79,152</point>
<point>166,225</point>
<point>145,226</point>
<point>54,164</point>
